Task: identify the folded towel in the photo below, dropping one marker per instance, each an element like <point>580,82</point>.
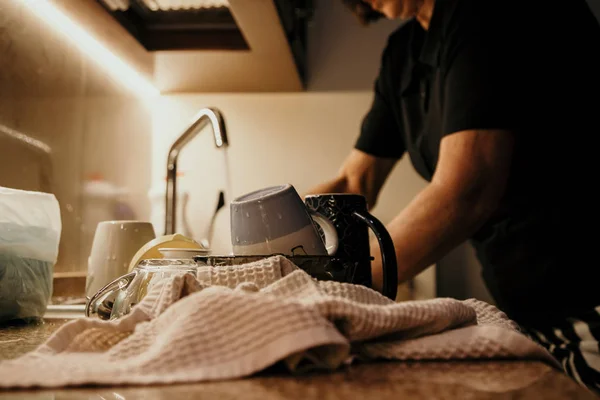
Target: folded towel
<point>231,322</point>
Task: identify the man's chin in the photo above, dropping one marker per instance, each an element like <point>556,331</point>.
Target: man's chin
<point>397,12</point>
<point>391,15</point>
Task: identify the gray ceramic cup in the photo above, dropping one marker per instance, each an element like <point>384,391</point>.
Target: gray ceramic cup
<point>275,220</point>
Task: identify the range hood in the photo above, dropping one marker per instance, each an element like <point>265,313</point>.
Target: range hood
<point>179,24</point>
<point>220,45</point>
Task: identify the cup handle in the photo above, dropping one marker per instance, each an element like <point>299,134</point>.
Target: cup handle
<point>331,237</point>
<point>98,298</point>
<point>388,253</point>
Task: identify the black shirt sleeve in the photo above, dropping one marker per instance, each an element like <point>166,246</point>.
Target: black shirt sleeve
<point>484,60</point>
<point>380,133</point>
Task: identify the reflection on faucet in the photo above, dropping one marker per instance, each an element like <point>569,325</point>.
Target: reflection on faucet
<point>200,120</point>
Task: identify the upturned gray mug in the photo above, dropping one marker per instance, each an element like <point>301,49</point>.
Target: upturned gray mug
<point>275,220</point>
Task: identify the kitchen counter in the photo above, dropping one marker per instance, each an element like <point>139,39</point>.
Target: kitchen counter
<point>16,340</point>
<point>385,380</point>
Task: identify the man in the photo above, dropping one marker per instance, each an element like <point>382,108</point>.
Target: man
<point>497,106</point>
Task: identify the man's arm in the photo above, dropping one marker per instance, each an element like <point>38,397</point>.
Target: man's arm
<point>466,189</point>
<point>360,173</point>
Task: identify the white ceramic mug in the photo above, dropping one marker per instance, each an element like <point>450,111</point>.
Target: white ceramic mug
<point>114,245</point>
<point>275,220</point>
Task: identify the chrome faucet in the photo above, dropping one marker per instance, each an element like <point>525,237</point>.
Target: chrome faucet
<point>200,120</point>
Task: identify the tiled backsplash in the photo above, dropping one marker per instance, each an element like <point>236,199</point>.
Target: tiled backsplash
<point>93,128</point>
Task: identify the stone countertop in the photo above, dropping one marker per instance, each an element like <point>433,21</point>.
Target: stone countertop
<point>385,380</point>
<point>19,339</point>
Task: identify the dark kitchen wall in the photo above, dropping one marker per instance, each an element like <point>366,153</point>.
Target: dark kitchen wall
<point>342,54</point>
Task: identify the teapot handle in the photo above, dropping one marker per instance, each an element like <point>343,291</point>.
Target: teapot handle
<point>388,253</point>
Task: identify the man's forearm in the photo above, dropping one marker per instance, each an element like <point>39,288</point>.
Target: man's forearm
<point>467,187</point>
<point>435,221</point>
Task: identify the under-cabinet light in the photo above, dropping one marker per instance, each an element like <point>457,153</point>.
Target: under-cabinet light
<point>90,46</point>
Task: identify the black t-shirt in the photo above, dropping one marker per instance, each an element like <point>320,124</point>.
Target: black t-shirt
<point>532,70</point>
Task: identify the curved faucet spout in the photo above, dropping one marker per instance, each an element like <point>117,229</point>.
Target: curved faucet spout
<point>204,117</point>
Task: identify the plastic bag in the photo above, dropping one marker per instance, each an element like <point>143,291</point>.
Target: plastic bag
<point>30,229</point>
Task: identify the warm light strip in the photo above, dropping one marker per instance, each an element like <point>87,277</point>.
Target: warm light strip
<point>90,46</point>
<point>23,138</point>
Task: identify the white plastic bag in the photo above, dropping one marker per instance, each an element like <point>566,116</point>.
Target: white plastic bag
<point>30,229</point>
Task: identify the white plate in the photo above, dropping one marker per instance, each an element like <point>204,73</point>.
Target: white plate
<point>183,253</point>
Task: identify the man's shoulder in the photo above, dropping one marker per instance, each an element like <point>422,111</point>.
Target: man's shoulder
<point>398,43</point>
<point>402,34</point>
